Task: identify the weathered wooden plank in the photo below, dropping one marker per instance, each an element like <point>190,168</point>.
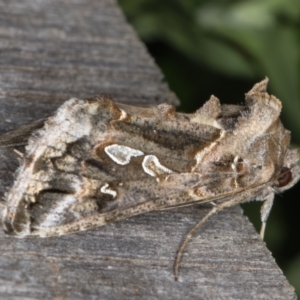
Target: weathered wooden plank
<point>51,51</point>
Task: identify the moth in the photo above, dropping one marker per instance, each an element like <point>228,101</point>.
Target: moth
<point>96,161</point>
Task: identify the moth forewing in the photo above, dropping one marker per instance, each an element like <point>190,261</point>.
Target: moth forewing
<point>96,161</point>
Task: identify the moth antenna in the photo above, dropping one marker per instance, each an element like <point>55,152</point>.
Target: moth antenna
<point>214,210</point>
<point>188,237</point>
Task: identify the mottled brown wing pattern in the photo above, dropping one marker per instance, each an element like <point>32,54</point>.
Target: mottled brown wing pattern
<point>96,161</point>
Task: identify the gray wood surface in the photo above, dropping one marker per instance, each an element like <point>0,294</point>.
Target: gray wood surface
<point>51,51</point>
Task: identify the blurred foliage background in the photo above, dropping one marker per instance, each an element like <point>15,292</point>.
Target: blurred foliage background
<point>223,47</point>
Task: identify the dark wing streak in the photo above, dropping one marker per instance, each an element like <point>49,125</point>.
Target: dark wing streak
<point>20,136</point>
<point>130,211</point>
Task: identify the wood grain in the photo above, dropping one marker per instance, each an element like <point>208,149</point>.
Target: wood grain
<point>51,51</point>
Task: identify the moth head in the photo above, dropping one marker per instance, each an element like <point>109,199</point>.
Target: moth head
<point>289,173</point>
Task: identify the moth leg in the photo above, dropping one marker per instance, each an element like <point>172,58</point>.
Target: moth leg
<point>264,213</point>
<point>215,209</point>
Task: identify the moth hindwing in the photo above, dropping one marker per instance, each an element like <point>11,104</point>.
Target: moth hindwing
<point>96,161</point>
